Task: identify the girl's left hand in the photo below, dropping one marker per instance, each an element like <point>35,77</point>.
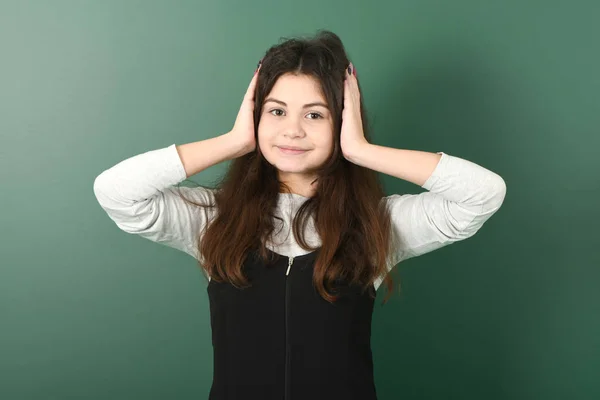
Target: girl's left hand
<point>352,137</point>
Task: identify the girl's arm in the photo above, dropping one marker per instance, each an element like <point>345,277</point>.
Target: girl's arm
<point>140,196</point>
<point>460,197</point>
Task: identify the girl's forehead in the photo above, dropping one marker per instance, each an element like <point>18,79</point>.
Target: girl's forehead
<point>297,89</point>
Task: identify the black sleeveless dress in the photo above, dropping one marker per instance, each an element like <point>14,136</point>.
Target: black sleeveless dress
<point>279,339</point>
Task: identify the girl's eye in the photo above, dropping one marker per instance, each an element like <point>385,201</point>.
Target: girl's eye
<point>315,115</point>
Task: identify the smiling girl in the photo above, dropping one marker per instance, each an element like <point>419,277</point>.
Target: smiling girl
<point>299,235</point>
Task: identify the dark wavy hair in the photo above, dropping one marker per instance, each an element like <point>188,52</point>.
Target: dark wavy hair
<point>350,215</point>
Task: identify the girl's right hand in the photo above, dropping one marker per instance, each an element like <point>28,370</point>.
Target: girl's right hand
<point>242,133</point>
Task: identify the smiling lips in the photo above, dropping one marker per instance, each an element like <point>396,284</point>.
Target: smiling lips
<point>287,150</point>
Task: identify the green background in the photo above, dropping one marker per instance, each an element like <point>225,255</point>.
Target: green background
<point>90,312</point>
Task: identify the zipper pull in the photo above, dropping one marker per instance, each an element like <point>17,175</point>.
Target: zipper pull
<point>291,260</point>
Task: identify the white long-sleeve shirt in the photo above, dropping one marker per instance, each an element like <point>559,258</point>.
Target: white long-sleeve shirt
<point>138,194</point>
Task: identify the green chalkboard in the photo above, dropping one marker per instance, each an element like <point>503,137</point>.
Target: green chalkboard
<point>90,312</point>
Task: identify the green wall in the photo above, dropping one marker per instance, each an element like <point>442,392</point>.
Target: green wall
<point>90,312</point>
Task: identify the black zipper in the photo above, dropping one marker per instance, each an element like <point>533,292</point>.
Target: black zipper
<point>287,392</point>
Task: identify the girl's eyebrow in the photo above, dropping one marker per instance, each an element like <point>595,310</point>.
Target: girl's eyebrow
<point>316,103</point>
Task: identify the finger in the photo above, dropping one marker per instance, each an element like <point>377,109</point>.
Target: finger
<point>347,89</point>
<point>351,88</point>
<point>252,87</point>
<point>350,76</point>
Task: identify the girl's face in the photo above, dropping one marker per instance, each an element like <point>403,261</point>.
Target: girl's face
<point>295,114</point>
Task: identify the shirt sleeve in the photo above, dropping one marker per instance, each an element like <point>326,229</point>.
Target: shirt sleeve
<point>460,197</point>
<point>140,196</point>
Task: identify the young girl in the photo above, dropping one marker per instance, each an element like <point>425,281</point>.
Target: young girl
<point>299,235</point>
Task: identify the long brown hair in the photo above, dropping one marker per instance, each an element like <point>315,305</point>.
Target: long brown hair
<point>349,213</point>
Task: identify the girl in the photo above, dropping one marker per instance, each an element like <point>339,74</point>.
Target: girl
<point>298,236</point>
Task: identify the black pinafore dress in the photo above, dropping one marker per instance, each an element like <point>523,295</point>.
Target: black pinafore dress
<point>280,340</point>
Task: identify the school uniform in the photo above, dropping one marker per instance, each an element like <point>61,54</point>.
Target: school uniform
<point>278,339</point>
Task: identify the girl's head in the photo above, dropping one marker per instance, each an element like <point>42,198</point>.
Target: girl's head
<point>298,103</point>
